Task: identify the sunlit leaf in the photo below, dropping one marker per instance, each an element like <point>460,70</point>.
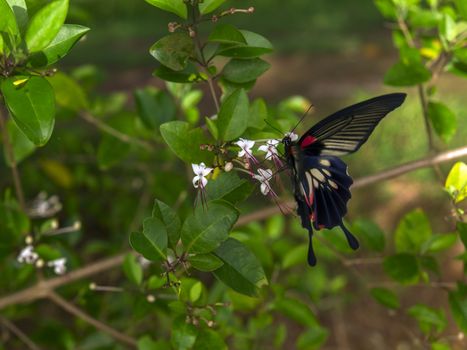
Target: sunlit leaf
<point>208,6</point>
<point>428,318</point>
<point>45,25</point>
<point>456,182</point>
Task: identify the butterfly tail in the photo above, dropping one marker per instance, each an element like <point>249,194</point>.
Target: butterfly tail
<point>311,253</point>
<point>353,242</point>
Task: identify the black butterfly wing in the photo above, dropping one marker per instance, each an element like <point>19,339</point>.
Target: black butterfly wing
<point>322,193</point>
<point>347,130</point>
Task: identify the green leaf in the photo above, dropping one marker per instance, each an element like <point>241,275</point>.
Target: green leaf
<point>154,107</point>
<point>371,234</point>
<point>111,150</point>
<point>173,50</point>
<point>443,120</point>
<point>232,120</point>
<point>170,219</point>
<point>212,127</point>
<point>412,232</point>
<point>385,297</point>
<point>209,339</point>
<point>458,304</point>
<point>187,75</point>
<point>420,18</point>
<point>14,225</point>
<point>461,6</point>
<point>20,10</point>
<point>440,346</point>
<point>387,8</point>
<point>22,146</point>
<point>205,229</point>
<point>256,45</point>
<point>183,334</point>
<point>428,318</point>
<point>195,291</point>
<point>312,338</point>
<point>152,242</point>
<point>185,142</point>
<point>45,25</point>
<point>244,70</point>
<point>441,242</point>
<point>407,74</point>
<point>205,262</point>
<point>447,29</point>
<point>258,113</point>
<point>456,182</point>
<point>32,106</point>
<point>229,187</point>
<point>7,19</point>
<point>68,93</point>
<point>146,343</point>
<point>241,270</point>
<point>175,6</point>
<point>63,42</point>
<point>132,269</point>
<point>402,268</point>
<point>209,5</point>
<point>295,256</point>
<point>462,230</point>
<point>227,34</point>
<point>297,311</point>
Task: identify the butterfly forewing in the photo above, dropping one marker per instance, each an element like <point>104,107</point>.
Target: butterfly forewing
<point>346,130</point>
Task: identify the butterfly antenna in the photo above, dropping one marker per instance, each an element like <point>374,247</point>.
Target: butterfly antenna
<point>273,127</point>
<point>303,117</point>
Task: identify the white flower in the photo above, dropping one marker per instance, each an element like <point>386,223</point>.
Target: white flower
<point>293,136</point>
<point>27,255</point>
<point>264,177</point>
<point>270,148</point>
<point>201,171</point>
<point>246,146</point>
<point>58,265</point>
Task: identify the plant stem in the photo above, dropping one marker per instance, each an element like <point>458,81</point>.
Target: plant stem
<point>19,333</point>
<point>11,156</point>
<point>115,133</point>
<point>424,104</point>
<point>72,309</point>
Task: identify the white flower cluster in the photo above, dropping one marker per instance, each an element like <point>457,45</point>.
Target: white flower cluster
<point>201,171</point>
<point>28,256</point>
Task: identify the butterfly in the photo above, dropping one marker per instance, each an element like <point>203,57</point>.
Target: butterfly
<point>321,182</point>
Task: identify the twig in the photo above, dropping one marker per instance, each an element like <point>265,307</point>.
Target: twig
<point>14,166</point>
<point>19,333</point>
<point>41,289</point>
<point>72,309</point>
<point>423,102</point>
<point>114,132</point>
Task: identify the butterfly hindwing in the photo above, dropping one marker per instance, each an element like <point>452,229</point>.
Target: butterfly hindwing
<point>346,130</point>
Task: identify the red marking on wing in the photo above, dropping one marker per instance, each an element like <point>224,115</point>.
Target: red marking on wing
<point>307,141</point>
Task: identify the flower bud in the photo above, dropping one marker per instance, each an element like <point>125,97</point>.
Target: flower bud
<point>228,167</point>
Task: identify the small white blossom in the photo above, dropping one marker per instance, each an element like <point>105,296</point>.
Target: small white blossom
<point>270,148</point>
<point>246,146</point>
<point>264,176</point>
<point>59,265</point>
<point>201,171</point>
<point>293,136</point>
<point>27,255</point>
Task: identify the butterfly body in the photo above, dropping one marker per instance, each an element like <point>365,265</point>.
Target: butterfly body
<point>320,179</point>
